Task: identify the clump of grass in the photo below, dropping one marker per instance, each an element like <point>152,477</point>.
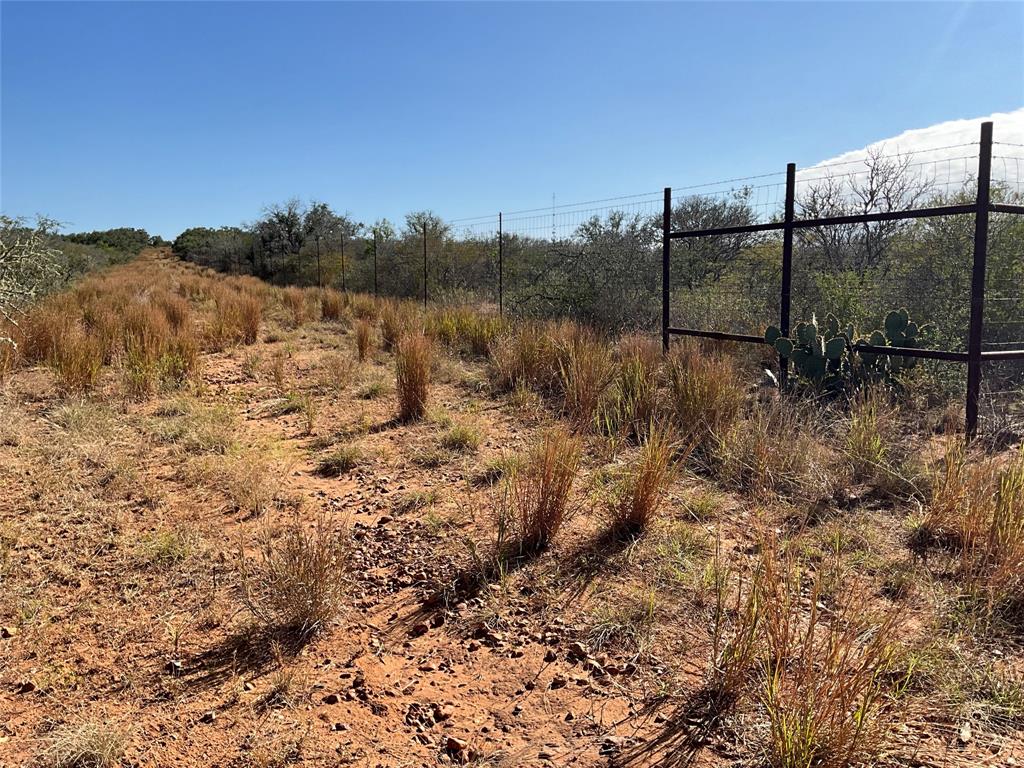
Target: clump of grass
<point>363,307</point>
<point>396,320</point>
<point>464,329</point>
<point>196,429</point>
<point>309,409</point>
<point>993,551</point>
<point>826,685</point>
<point>332,305</point>
<point>76,360</point>
<point>372,390</point>
<point>524,358</point>
<point>705,395</point>
<point>278,372</point>
<point>338,370</point>
<point>461,438</point>
<point>633,398</point>
<point>295,585</point>
<point>737,617</point>
<point>42,329</point>
<point>85,744</point>
<point>340,462</point>
<point>251,482</point>
<point>866,441</point>
<point>236,318</point>
<point>956,507</point>
<point>638,495</point>
<point>587,371</point>
<point>364,339</point>
<point>290,403</point>
<point>774,452</point>
<point>413,501</point>
<point>627,623</point>
<point>537,493</point>
<point>294,300</point>
<point>170,545</point>
<point>413,359</point>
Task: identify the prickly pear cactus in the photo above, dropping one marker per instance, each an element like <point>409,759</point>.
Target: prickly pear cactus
<point>829,357</point>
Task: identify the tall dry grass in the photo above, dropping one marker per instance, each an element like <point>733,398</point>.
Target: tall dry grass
<point>632,403</point>
<point>524,357</point>
<point>332,305</point>
<point>826,687</point>
<point>413,360</point>
<point>236,318</point>
<point>638,495</point>
<point>537,491</point>
<point>296,583</point>
<point>587,370</point>
<point>76,360</point>
<point>364,339</point>
<point>464,329</point>
<point>294,301</point>
<point>705,395</point>
<point>976,509</point>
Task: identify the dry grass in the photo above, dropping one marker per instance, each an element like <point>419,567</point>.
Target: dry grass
<point>76,360</point>
<point>868,438</point>
<point>536,498</point>
<point>296,583</point>
<point>524,357</point>
<point>413,359</point>
<point>978,510</point>
<point>638,495</point>
<point>236,320</point>
<point>332,305</point>
<point>632,404</point>
<point>464,329</point>
<point>826,687</point>
<point>461,438</point>
<point>294,300</point>
<point>364,339</point>
<point>85,744</point>
<point>705,395</point>
<point>587,370</point>
<point>338,371</point>
<point>342,461</point>
<point>396,320</point>
<point>251,481</point>
<point>774,452</point>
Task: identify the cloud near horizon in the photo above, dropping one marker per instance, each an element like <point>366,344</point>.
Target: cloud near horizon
<point>945,152</point>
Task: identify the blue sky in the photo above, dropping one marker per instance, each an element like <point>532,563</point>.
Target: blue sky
<point>168,115</point>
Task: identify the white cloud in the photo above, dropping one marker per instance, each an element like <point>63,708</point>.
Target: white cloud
<point>946,152</point>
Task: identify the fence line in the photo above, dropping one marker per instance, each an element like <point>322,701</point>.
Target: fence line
<point>981,209</point>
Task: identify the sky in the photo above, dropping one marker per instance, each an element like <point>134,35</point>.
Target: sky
<point>171,115</point>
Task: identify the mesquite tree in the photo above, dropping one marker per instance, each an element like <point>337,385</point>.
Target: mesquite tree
<point>29,264</point>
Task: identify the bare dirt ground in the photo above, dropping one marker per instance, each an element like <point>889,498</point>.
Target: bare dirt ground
<point>121,524</point>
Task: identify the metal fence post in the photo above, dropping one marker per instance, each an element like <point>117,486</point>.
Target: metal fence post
<point>501,270</point>
<point>666,251</point>
<point>978,279</point>
<point>424,264</point>
<point>374,261</point>
<point>787,268</point>
<point>344,285</point>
